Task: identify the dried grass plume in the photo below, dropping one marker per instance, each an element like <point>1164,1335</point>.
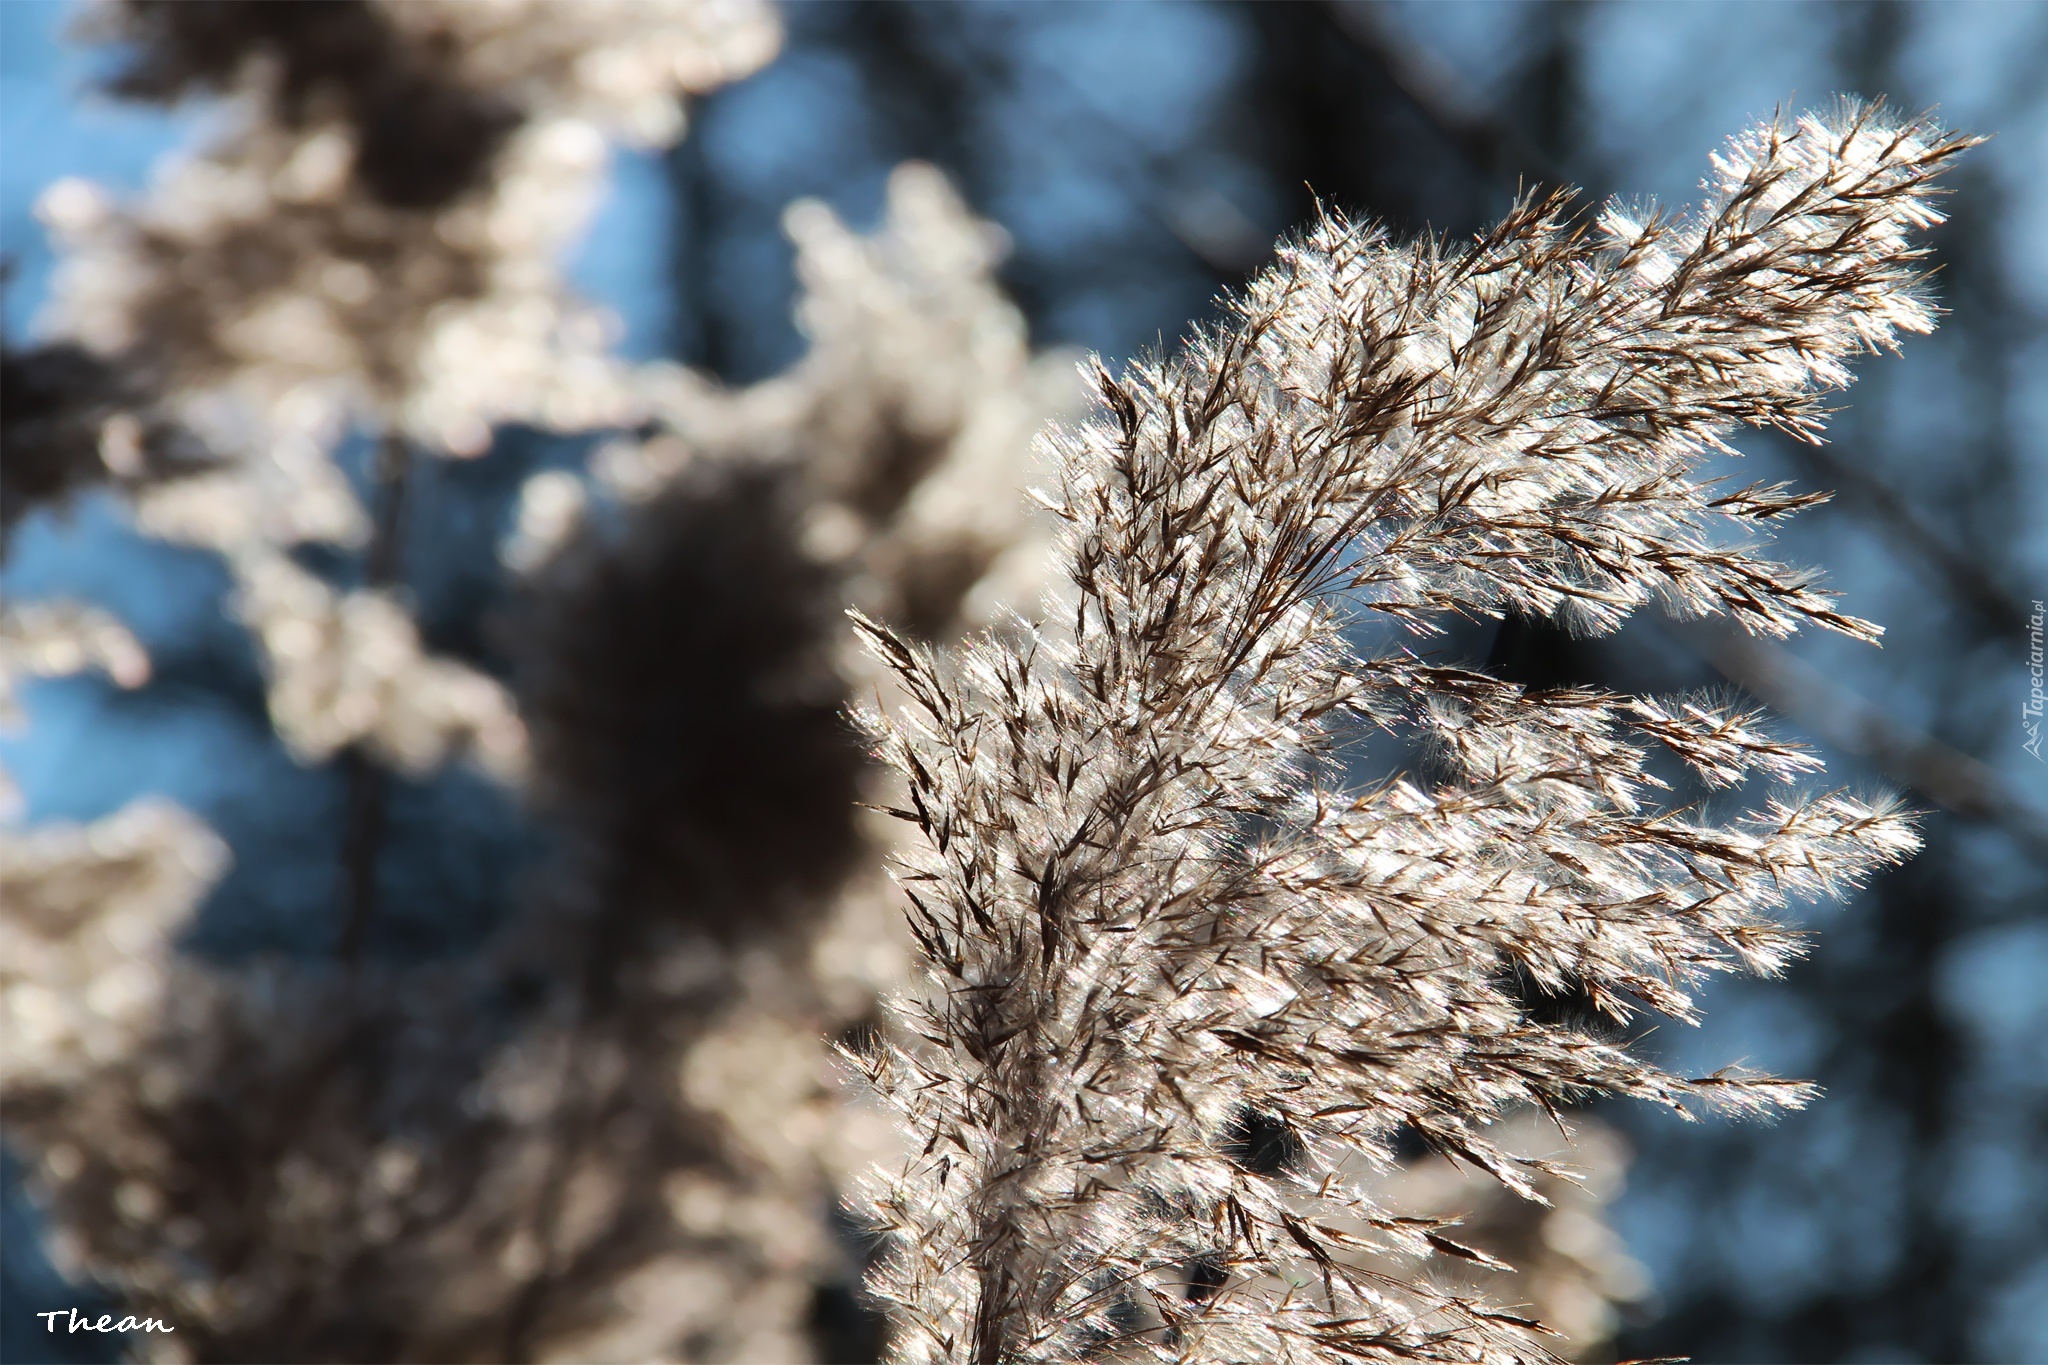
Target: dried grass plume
<point>1181,982</point>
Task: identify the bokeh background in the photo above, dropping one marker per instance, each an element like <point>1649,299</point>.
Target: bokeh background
<point>1142,157</point>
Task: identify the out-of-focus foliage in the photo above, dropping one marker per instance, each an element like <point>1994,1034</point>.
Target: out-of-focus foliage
<point>616,1130</point>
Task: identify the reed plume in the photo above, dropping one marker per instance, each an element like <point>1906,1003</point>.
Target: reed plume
<point>1181,982</point>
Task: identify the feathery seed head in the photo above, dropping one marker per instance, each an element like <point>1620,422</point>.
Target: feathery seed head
<point>1173,976</point>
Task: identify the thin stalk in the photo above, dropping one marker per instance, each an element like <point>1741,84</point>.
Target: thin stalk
<point>581,1100</point>
<point>363,832</point>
